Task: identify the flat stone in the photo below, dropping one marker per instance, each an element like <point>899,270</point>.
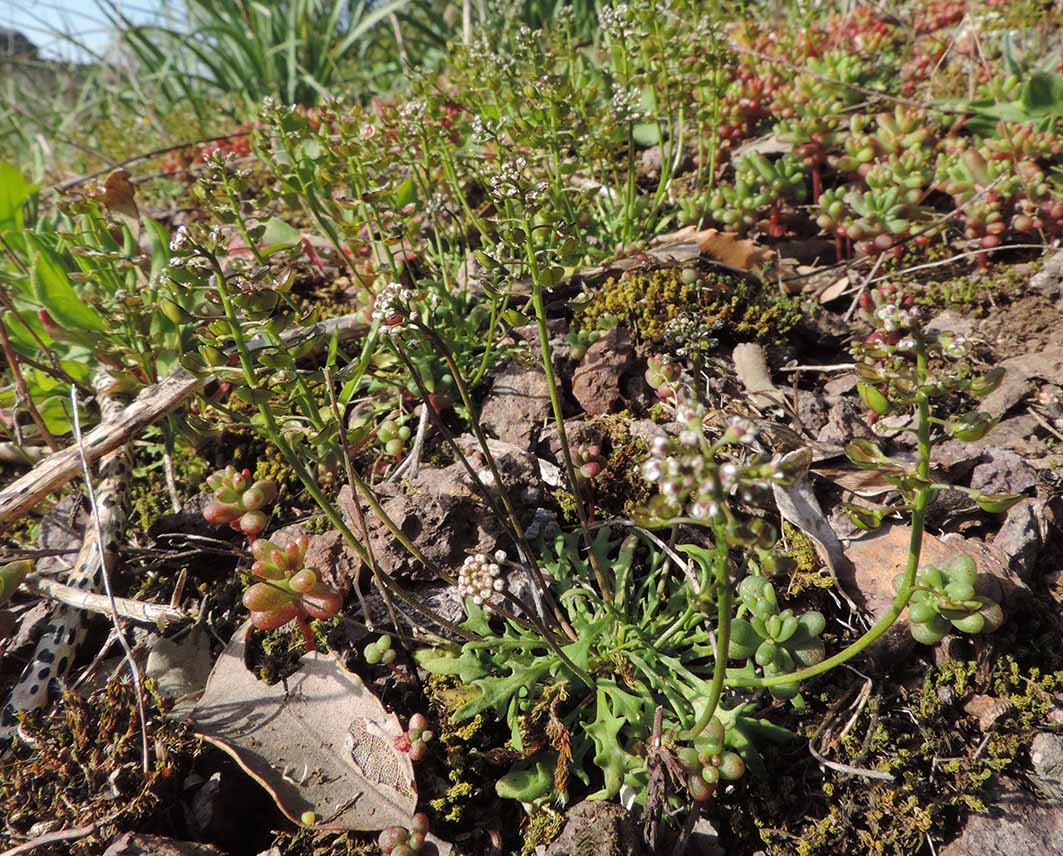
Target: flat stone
<point>597,383</point>
<point>517,406</point>
<point>1001,471</point>
<point>1049,280</point>
<point>136,844</point>
<point>878,558</point>
<point>598,827</point>
<point>1022,536</point>
<point>1046,758</point>
<point>1014,823</point>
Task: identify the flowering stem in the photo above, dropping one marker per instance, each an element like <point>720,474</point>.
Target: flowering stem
<point>915,546</point>
<point>295,462</point>
<point>723,631</point>
<point>555,404</point>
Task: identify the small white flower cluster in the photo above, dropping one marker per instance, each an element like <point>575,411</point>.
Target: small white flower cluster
<point>956,348</point>
<point>480,578</point>
<point>180,240</point>
<point>742,430</point>
<point>616,22</point>
<point>895,318</point>
<point>510,183</point>
<point>626,105</point>
<point>390,307</point>
<point>686,472</point>
<point>691,334</point>
<point>412,114</point>
<point>685,475</point>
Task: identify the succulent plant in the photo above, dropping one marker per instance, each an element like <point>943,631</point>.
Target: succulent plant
<point>707,762</point>
<point>778,641</point>
<point>759,186</point>
<point>238,500</point>
<point>416,738</point>
<point>944,598</point>
<point>380,651</point>
<point>400,841</point>
<point>289,591</point>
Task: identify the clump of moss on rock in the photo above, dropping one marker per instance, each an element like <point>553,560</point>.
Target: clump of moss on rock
<point>736,307</point>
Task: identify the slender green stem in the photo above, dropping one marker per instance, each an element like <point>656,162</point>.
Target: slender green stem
<point>555,403</point>
<point>296,463</point>
<point>723,632</point>
<point>915,546</point>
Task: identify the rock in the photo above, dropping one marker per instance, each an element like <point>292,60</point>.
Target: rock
<point>598,827</point>
<point>334,560</point>
<point>645,430</point>
<point>951,321</point>
<point>597,382</point>
<point>650,163</point>
<point>1046,364</point>
<point>844,422</point>
<point>135,844</point>
<point>1014,823</point>
<point>812,410</point>
<point>1001,471</point>
<point>1049,280</point>
<point>517,406</point>
<point>443,600</point>
<point>442,512</point>
<point>190,521</point>
<point>1046,757</point>
<point>841,384</point>
<point>1016,434</point>
<point>1022,537</point>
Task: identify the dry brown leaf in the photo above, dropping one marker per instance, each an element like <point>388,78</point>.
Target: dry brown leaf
<point>120,199</point>
<point>835,290</point>
<point>725,247</point>
<point>729,249</point>
<point>860,482</point>
<point>180,668</point>
<point>323,745</point>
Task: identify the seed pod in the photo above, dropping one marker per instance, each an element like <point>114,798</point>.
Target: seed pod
<point>873,398</point>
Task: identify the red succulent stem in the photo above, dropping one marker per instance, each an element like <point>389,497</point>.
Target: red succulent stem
<point>308,634</point>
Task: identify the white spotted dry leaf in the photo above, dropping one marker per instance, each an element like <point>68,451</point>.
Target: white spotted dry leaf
<point>323,745</point>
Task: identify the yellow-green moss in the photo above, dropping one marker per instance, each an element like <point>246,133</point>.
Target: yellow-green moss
<point>80,767</point>
<point>807,572</point>
<point>543,827</point>
<point>942,763</point>
<point>648,301</point>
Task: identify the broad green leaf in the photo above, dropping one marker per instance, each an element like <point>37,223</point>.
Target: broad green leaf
<point>496,692</point>
<point>52,287</point>
<point>278,236</point>
<point>1042,94</point>
<point>14,191</point>
<point>646,134</point>
<point>406,193</point>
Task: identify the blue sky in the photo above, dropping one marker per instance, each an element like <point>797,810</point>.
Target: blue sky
<point>44,21</point>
